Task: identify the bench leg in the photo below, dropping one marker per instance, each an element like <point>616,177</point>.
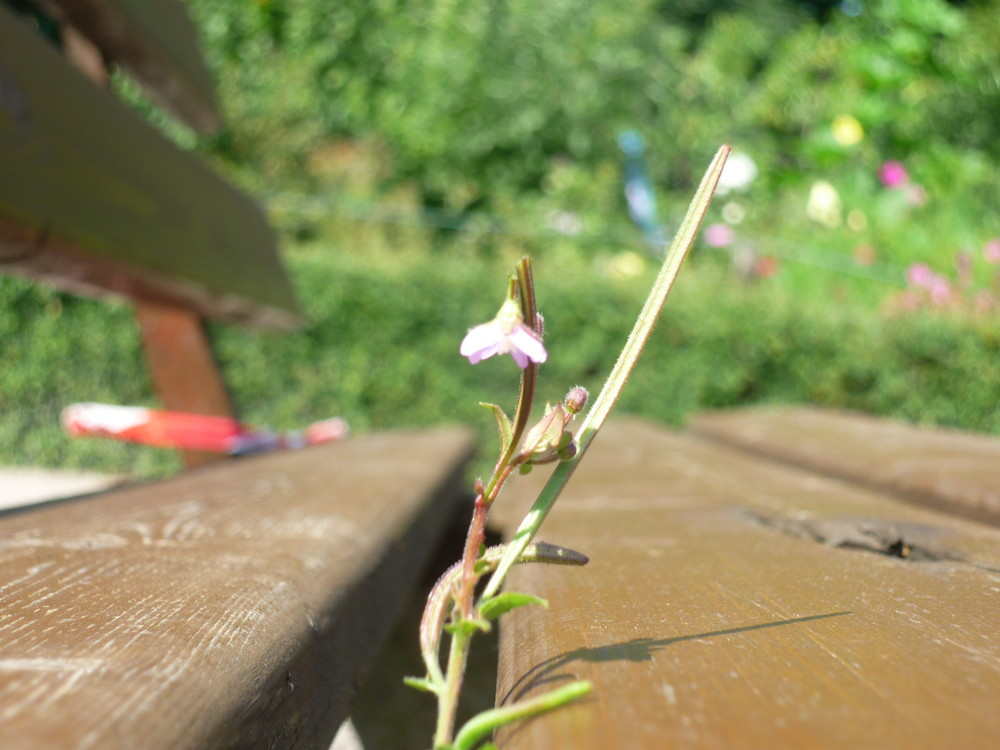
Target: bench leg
<point>182,366</point>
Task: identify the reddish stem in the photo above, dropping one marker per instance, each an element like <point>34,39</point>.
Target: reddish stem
<point>473,541</point>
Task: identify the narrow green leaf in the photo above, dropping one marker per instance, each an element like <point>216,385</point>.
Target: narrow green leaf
<point>546,552</point>
<point>479,727</point>
<point>503,422</point>
<point>468,627</point>
<point>500,604</point>
<point>421,683</point>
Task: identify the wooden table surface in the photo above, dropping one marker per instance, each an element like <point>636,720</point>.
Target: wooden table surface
<point>737,602</point>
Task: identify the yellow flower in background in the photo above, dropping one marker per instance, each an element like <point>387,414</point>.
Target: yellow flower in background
<point>627,265</point>
<point>847,131</point>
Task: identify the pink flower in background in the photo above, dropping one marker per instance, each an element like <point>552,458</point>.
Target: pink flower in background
<point>505,334</point>
<point>718,235</point>
<point>920,275</point>
<point>892,174</point>
<point>991,251</point>
<point>940,291</point>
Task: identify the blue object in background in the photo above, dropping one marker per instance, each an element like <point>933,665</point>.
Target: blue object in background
<point>639,191</point>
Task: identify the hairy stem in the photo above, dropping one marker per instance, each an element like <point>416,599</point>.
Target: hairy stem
<point>458,654</point>
<point>448,703</point>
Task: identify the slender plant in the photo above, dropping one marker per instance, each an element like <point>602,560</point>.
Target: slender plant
<point>453,606</point>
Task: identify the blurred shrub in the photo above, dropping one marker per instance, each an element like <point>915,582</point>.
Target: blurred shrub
<point>381,350</point>
<point>477,101</point>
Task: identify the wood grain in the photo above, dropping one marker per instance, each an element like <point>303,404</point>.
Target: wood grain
<point>95,201</point>
<point>947,469</point>
<point>235,606</point>
<point>725,607</point>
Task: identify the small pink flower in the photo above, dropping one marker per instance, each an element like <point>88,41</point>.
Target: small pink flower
<point>920,275</point>
<point>718,235</point>
<point>505,334</point>
<point>991,251</point>
<point>892,174</point>
<point>940,291</point>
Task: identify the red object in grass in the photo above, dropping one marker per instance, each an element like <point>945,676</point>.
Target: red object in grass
<point>193,432</point>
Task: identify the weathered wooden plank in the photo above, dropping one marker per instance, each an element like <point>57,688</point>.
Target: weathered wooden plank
<point>156,43</point>
<point>954,471</point>
<point>235,606</point>
<point>92,199</point>
<point>712,615</point>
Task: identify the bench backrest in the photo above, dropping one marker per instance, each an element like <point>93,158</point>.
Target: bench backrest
<point>93,200</point>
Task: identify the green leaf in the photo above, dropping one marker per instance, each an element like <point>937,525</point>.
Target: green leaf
<point>503,422</point>
<point>482,725</point>
<point>468,627</point>
<point>502,603</point>
<point>421,683</point>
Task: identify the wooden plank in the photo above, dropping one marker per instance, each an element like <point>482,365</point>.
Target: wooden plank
<point>235,606</point>
<point>712,615</point>
<point>954,471</point>
<point>156,43</point>
<point>99,201</point>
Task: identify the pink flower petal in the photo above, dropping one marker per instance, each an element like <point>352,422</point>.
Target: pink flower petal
<point>526,341</point>
<point>520,357</point>
<point>480,354</point>
<point>481,342</point>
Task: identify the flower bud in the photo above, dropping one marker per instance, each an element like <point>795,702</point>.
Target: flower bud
<point>546,439</point>
<point>567,451</point>
<point>576,399</point>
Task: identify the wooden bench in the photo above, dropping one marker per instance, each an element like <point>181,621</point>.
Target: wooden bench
<point>94,201</point>
<point>766,579</point>
<point>241,604</point>
<point>753,589</point>
<point>236,606</point>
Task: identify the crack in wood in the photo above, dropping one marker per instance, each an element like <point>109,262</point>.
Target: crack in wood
<point>912,542</point>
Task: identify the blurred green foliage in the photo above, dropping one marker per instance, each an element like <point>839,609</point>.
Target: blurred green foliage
<point>512,109</point>
<point>472,101</point>
<point>381,349</point>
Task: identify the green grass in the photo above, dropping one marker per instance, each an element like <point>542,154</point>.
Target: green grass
<point>381,350</point>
